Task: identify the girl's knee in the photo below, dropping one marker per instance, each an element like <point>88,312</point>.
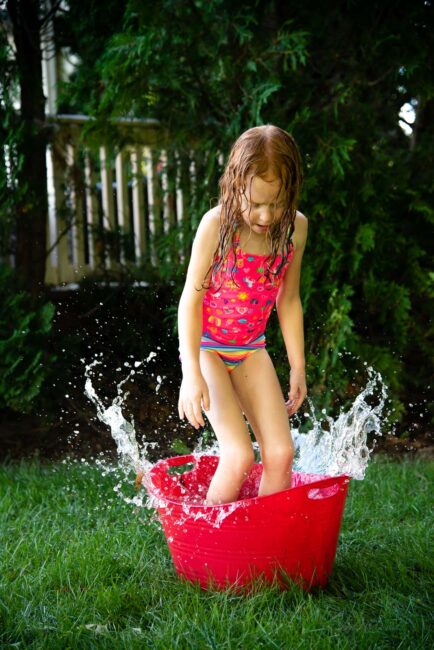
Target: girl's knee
<point>238,459</point>
<point>278,458</point>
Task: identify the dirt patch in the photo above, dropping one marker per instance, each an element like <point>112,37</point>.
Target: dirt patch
<point>420,447</point>
<point>77,432</point>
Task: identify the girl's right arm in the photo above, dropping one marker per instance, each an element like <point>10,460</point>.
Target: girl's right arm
<point>194,391</point>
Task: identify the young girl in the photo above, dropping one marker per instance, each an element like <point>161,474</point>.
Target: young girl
<point>246,256</point>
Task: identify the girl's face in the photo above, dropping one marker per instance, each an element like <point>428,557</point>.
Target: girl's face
<point>262,203</point>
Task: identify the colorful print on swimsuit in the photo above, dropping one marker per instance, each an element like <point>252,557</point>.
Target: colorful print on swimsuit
<point>238,314</point>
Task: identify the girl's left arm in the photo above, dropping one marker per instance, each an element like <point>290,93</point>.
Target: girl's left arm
<point>290,314</point>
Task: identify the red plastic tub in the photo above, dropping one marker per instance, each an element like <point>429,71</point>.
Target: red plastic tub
<point>291,534</point>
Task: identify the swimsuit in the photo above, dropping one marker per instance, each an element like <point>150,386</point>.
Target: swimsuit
<point>237,306</point>
<point>232,355</point>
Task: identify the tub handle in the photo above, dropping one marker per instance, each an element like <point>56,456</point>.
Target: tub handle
<point>179,461</point>
<point>175,461</point>
<point>332,485</point>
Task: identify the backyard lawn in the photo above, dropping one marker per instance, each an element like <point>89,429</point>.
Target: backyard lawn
<point>80,568</point>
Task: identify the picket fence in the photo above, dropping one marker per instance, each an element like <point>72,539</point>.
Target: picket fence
<point>110,205</point>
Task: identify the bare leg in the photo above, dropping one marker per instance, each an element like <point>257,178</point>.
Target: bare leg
<point>230,428</point>
<point>262,401</point>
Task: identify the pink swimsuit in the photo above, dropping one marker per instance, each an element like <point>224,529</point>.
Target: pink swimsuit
<point>235,317</point>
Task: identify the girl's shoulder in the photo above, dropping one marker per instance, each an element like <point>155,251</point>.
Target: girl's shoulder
<point>207,234</point>
<point>210,223</point>
<point>299,235</point>
<point>211,219</point>
<point>202,251</point>
<point>300,217</point>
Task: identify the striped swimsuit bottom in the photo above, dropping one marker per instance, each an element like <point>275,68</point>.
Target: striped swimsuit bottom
<point>232,355</point>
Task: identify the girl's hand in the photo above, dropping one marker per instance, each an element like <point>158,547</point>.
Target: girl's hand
<point>297,390</point>
<point>192,396</point>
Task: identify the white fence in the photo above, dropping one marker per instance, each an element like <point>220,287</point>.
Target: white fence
<point>110,205</point>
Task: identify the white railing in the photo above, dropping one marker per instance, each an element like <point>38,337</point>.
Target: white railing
<point>110,205</point>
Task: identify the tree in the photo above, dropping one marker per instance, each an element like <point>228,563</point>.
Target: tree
<point>337,81</point>
<point>30,145</point>
<point>25,131</point>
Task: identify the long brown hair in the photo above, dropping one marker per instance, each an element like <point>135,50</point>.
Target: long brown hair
<point>257,151</point>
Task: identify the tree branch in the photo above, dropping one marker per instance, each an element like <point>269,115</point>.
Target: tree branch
<point>62,234</point>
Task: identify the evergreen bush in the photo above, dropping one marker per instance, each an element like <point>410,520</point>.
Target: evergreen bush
<point>24,332</point>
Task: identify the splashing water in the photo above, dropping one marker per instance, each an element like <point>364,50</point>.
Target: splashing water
<point>122,431</point>
<point>342,449</point>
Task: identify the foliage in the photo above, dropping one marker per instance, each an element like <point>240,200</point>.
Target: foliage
<point>24,360</point>
<point>84,35</point>
<point>366,283</point>
<point>10,138</point>
<point>337,81</point>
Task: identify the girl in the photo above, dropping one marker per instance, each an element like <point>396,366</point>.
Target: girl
<point>246,256</point>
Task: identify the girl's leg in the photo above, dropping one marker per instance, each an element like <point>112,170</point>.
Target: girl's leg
<point>261,399</point>
<point>236,451</point>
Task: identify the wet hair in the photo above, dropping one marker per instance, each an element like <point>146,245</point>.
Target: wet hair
<point>258,151</point>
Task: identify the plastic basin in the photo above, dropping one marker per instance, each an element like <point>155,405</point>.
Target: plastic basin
<point>290,536</point>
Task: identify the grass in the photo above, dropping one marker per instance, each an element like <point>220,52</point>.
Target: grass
<point>79,568</point>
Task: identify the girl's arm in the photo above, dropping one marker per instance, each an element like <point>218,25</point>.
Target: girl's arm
<point>194,390</point>
<point>290,314</point>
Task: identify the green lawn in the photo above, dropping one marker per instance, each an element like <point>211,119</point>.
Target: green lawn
<point>80,569</point>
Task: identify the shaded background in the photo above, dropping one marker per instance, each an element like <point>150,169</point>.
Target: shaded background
<point>353,84</point>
